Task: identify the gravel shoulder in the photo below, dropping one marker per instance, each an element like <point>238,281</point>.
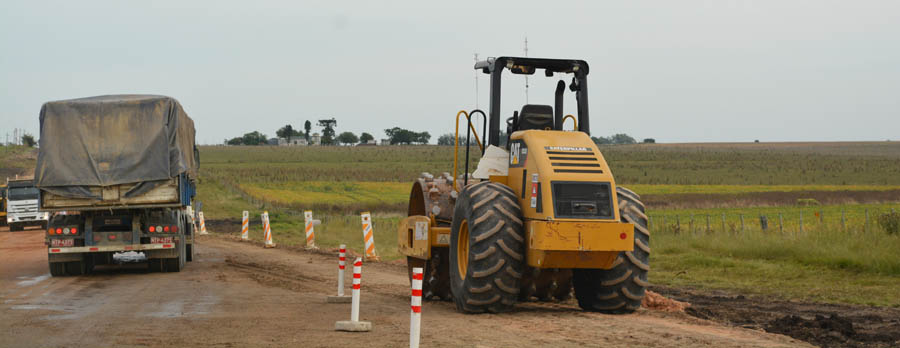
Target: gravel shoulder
<point>239,294</point>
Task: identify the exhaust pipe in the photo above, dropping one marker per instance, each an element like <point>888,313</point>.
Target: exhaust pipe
<point>558,107</point>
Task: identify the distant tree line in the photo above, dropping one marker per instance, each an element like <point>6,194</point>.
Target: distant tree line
<point>400,136</point>
<point>620,139</point>
<point>288,132</point>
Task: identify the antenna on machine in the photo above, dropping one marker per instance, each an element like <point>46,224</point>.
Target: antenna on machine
<point>526,76</point>
<point>476,82</point>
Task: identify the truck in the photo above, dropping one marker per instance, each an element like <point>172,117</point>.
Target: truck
<point>2,204</point>
<point>20,205</point>
<point>119,174</point>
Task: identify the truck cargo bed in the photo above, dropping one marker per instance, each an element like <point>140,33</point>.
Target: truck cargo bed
<point>166,194</point>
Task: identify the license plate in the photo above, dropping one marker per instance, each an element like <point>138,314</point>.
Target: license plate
<point>158,240</point>
<point>62,242</point>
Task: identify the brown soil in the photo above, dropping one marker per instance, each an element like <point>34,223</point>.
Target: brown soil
<point>242,295</point>
<point>755,199</point>
<point>826,325</point>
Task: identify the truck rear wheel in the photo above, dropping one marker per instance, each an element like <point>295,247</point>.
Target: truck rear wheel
<point>155,265</point>
<point>621,288</point>
<point>74,268</point>
<point>487,249</point>
<point>57,269</point>
<point>175,264</point>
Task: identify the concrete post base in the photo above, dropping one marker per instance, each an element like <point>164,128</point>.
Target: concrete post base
<point>353,326</point>
<point>339,299</point>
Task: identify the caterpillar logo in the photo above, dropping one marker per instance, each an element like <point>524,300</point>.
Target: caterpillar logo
<point>518,152</point>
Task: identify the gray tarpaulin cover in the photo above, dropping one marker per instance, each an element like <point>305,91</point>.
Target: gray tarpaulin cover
<point>111,140</point>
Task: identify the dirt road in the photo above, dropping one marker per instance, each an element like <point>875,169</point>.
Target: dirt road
<point>238,295</point>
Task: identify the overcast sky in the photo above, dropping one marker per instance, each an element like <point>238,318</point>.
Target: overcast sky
<point>677,71</point>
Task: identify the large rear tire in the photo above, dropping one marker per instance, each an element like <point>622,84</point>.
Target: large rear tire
<point>621,288</point>
<point>487,249</point>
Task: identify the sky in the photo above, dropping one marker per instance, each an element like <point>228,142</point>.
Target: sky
<point>675,71</point>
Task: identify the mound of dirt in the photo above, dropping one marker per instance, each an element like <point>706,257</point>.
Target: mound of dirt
<point>826,325</point>
<point>830,331</point>
<point>659,302</point>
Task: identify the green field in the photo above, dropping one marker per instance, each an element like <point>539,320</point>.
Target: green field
<point>831,261</point>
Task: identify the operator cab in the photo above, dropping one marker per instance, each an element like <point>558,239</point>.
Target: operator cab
<point>534,116</point>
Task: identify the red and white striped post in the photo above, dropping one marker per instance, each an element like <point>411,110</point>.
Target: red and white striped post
<point>340,298</point>
<point>357,284</point>
<point>354,324</point>
<point>415,320</point>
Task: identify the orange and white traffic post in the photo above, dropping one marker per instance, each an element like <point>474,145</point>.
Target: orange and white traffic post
<point>369,236</point>
<point>202,224</point>
<point>310,230</point>
<point>245,226</point>
<point>340,298</point>
<point>267,230</point>
<point>415,313</point>
<point>354,324</point>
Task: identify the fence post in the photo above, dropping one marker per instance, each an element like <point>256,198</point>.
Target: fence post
<point>707,223</point>
<point>866,227</point>
<point>742,222</point>
<point>801,221</point>
<point>723,222</point>
<point>821,217</point>
<point>780,223</point>
<point>692,224</point>
<point>843,220</point>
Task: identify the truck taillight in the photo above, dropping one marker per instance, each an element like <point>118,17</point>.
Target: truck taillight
<point>152,228</point>
<point>166,229</point>
<point>50,231</point>
<point>74,230</point>
<point>159,229</point>
<point>174,229</point>
<point>59,231</point>
<point>66,230</point>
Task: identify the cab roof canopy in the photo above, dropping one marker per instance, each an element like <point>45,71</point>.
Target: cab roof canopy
<point>527,65</point>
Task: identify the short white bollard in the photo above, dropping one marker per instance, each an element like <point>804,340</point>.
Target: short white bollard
<point>267,230</point>
<point>245,226</point>
<point>202,224</point>
<point>354,324</point>
<point>415,313</point>
<point>340,298</point>
<point>310,231</point>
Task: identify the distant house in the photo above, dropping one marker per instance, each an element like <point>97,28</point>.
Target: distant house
<point>296,141</point>
<point>385,141</point>
<point>315,139</point>
<point>275,141</point>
